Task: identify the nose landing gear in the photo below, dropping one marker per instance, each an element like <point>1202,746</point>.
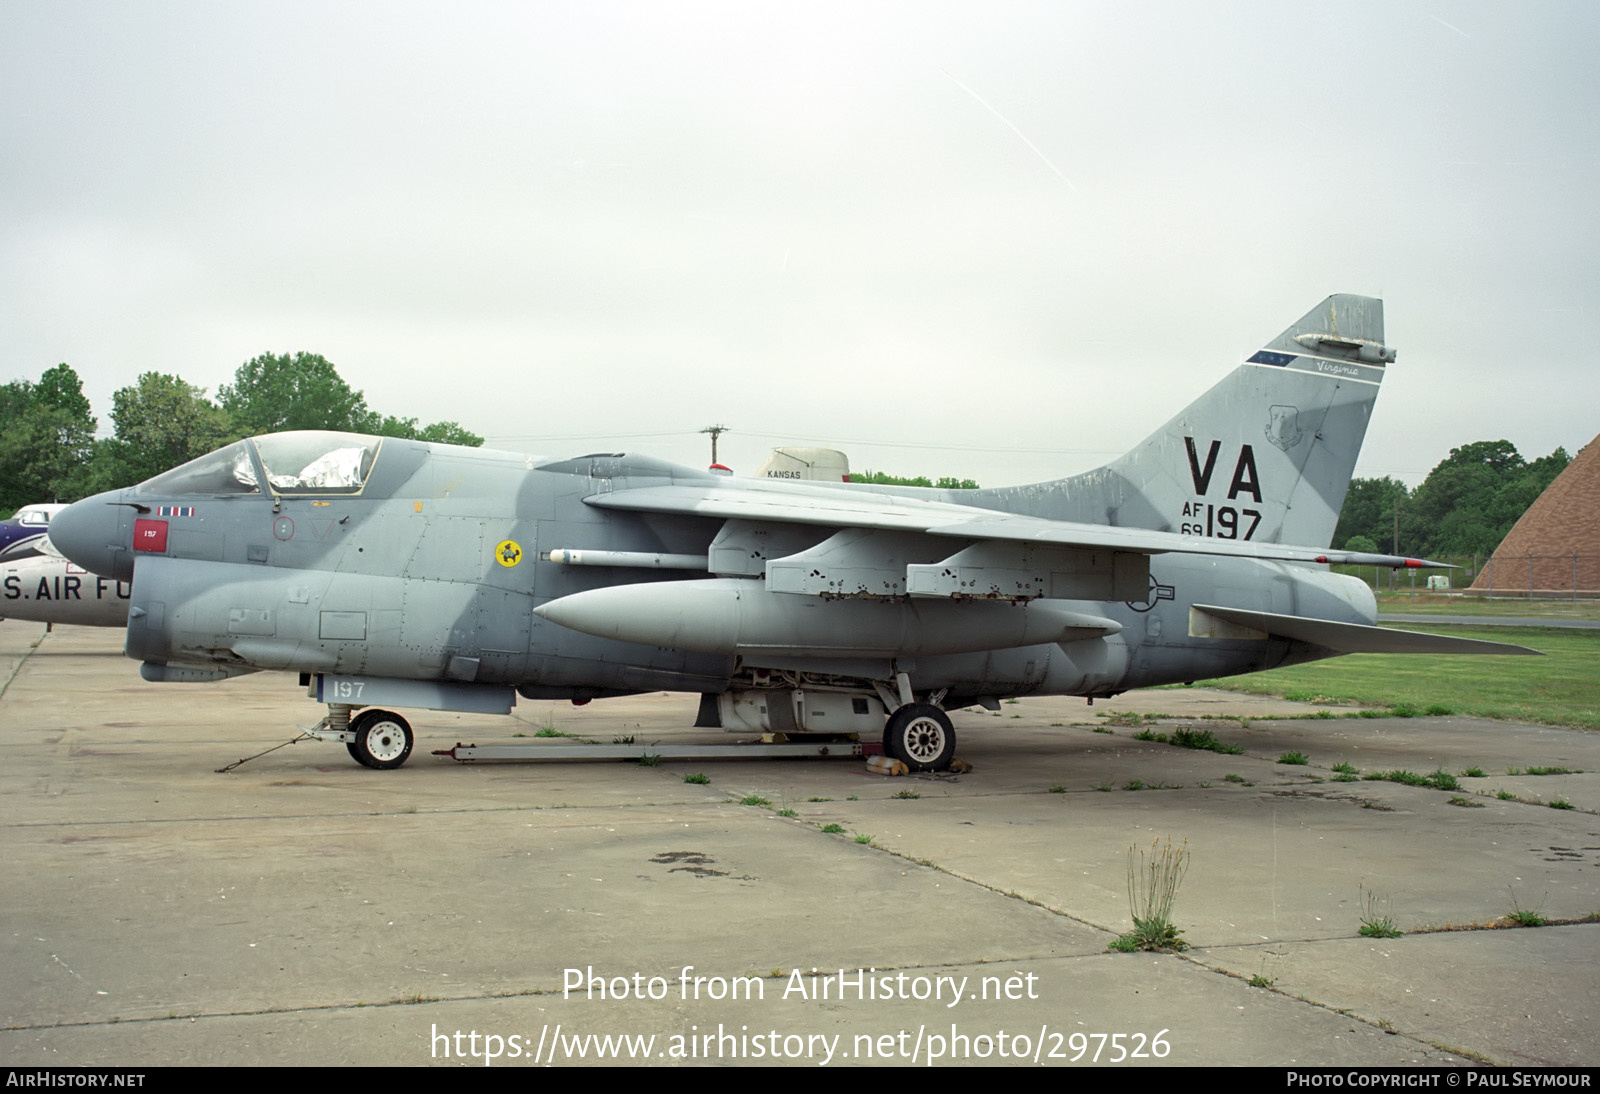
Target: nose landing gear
<point>380,739</point>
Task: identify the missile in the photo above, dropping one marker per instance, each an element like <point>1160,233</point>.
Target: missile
<point>739,615</point>
<point>645,560</point>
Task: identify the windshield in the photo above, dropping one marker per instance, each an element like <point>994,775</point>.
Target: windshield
<point>225,471</point>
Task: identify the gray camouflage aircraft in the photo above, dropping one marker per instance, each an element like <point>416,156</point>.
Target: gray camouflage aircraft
<point>409,574</point>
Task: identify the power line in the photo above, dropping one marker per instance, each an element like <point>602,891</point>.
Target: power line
<point>812,440</point>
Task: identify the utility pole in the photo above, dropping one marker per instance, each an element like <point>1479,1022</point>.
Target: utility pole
<point>715,431</point>
<point>1396,538</point>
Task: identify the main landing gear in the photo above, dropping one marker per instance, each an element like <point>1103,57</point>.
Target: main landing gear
<point>921,736</point>
<point>913,725</point>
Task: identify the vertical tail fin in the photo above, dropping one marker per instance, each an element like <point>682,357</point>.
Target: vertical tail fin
<point>1265,455</point>
<point>1268,453</point>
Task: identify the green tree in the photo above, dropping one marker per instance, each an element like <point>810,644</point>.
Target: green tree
<point>276,392</point>
<point>1469,501</point>
<point>61,388</point>
<point>1369,511</point>
<point>16,400</point>
<point>46,439</point>
<point>1450,512</point>
<point>878,478</point>
<point>449,433</point>
<point>161,421</point>
<point>1522,488</point>
<point>387,425</point>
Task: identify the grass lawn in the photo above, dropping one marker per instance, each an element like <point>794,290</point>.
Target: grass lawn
<point>1561,688</point>
<point>1424,604</point>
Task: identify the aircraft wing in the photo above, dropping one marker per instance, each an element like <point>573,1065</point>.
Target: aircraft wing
<point>892,512</point>
<point>834,507</point>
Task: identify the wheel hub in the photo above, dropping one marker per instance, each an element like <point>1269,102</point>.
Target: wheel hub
<point>385,741</point>
<point>924,739</point>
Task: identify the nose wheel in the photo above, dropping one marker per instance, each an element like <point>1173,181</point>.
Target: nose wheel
<point>921,736</point>
<point>382,739</point>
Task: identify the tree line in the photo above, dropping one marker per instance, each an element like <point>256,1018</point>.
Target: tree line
<point>1464,507</point>
<point>946,483</point>
<point>49,451</point>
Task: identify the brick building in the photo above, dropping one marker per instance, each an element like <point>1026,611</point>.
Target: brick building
<point>1555,547</point>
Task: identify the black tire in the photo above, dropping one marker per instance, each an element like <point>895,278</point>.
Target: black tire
<point>383,739</point>
<point>920,736</point>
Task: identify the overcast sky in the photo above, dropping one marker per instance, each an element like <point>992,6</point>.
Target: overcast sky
<point>997,241</point>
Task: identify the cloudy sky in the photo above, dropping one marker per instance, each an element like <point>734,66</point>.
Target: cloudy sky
<point>999,241</point>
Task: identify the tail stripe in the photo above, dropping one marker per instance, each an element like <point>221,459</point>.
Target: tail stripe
<point>1267,357</point>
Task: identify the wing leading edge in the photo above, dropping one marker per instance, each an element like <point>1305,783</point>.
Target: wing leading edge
<point>889,512</point>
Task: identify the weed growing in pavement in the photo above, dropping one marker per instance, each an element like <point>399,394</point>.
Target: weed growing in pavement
<point>1153,880</point>
<point>1376,919</point>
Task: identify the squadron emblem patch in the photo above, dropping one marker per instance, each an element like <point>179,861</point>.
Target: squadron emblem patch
<point>508,553</point>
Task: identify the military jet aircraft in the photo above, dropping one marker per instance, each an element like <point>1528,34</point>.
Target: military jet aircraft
<point>400,573</point>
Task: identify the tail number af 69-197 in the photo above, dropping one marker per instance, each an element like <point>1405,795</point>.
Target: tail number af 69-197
<point>1220,521</point>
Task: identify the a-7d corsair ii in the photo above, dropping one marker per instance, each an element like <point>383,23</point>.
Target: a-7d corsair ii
<point>421,575</point>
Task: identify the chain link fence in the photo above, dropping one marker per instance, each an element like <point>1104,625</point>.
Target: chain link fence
<point>1529,577</point>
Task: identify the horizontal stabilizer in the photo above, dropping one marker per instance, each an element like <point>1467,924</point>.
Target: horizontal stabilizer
<point>1356,637</point>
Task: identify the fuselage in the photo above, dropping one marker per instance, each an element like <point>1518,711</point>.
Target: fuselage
<point>405,560</point>
<point>46,589</point>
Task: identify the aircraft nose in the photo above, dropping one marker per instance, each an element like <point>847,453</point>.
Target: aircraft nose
<point>91,533</point>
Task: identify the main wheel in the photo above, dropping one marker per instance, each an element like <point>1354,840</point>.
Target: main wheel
<point>383,739</point>
<point>920,736</point>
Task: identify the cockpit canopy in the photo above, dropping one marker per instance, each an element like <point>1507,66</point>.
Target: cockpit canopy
<point>306,462</point>
<point>37,516</point>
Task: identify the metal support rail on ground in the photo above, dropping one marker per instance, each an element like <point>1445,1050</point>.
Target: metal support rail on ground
<point>534,751</point>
